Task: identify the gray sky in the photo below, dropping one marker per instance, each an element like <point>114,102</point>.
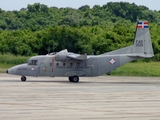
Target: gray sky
<point>18,4</point>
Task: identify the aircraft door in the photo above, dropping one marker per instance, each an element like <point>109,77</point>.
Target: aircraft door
<point>42,69</point>
<point>94,67</point>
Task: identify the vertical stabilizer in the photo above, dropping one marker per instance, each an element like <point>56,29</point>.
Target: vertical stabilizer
<point>142,42</point>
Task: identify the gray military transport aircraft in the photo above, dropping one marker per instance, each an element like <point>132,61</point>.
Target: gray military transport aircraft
<point>73,66</point>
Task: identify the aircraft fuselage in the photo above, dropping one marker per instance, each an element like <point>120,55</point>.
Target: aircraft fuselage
<point>48,66</point>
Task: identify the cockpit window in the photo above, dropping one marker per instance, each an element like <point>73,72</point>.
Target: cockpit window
<point>32,62</point>
<point>35,62</point>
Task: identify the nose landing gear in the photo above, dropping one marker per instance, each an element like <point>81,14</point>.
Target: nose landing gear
<point>23,78</point>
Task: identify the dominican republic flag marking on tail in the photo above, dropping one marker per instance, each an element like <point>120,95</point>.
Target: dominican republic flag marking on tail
<point>142,25</point>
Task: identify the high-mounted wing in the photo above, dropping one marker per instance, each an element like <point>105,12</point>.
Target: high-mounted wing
<point>78,56</point>
<point>64,55</point>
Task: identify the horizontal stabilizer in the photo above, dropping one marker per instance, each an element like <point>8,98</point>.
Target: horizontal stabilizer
<point>78,56</point>
<point>141,55</point>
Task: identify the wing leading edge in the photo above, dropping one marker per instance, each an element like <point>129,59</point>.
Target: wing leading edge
<point>78,56</point>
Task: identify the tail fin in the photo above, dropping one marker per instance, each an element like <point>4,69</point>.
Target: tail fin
<point>142,46</point>
<point>142,42</point>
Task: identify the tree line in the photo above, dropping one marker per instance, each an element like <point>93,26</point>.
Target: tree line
<point>39,29</point>
<point>39,16</point>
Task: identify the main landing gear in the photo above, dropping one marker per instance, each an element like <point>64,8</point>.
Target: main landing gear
<point>23,78</point>
<point>74,79</point>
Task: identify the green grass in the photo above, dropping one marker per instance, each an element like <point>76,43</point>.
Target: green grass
<point>4,67</point>
<point>138,69</point>
<point>8,60</point>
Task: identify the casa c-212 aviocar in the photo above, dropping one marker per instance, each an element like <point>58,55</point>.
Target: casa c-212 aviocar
<point>73,66</point>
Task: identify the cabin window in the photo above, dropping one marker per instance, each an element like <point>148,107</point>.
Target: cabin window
<point>71,64</point>
<point>57,64</point>
<point>77,64</point>
<point>64,64</point>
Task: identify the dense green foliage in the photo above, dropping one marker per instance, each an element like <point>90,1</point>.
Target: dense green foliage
<point>39,16</point>
<point>38,29</point>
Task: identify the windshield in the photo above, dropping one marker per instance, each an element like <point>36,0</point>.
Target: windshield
<point>32,62</point>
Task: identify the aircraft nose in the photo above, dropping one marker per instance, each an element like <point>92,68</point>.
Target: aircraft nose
<point>7,71</point>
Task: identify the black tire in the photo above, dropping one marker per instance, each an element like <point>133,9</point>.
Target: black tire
<point>23,78</point>
<point>70,79</point>
<point>75,79</point>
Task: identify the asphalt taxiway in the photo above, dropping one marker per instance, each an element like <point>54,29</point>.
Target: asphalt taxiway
<point>97,98</point>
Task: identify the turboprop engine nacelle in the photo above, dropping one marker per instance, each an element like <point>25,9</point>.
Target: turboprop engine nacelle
<point>62,56</point>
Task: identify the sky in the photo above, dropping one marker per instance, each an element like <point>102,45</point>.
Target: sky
<point>18,4</point>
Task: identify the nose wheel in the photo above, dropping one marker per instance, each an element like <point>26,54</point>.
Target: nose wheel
<point>74,79</point>
<point>23,78</point>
